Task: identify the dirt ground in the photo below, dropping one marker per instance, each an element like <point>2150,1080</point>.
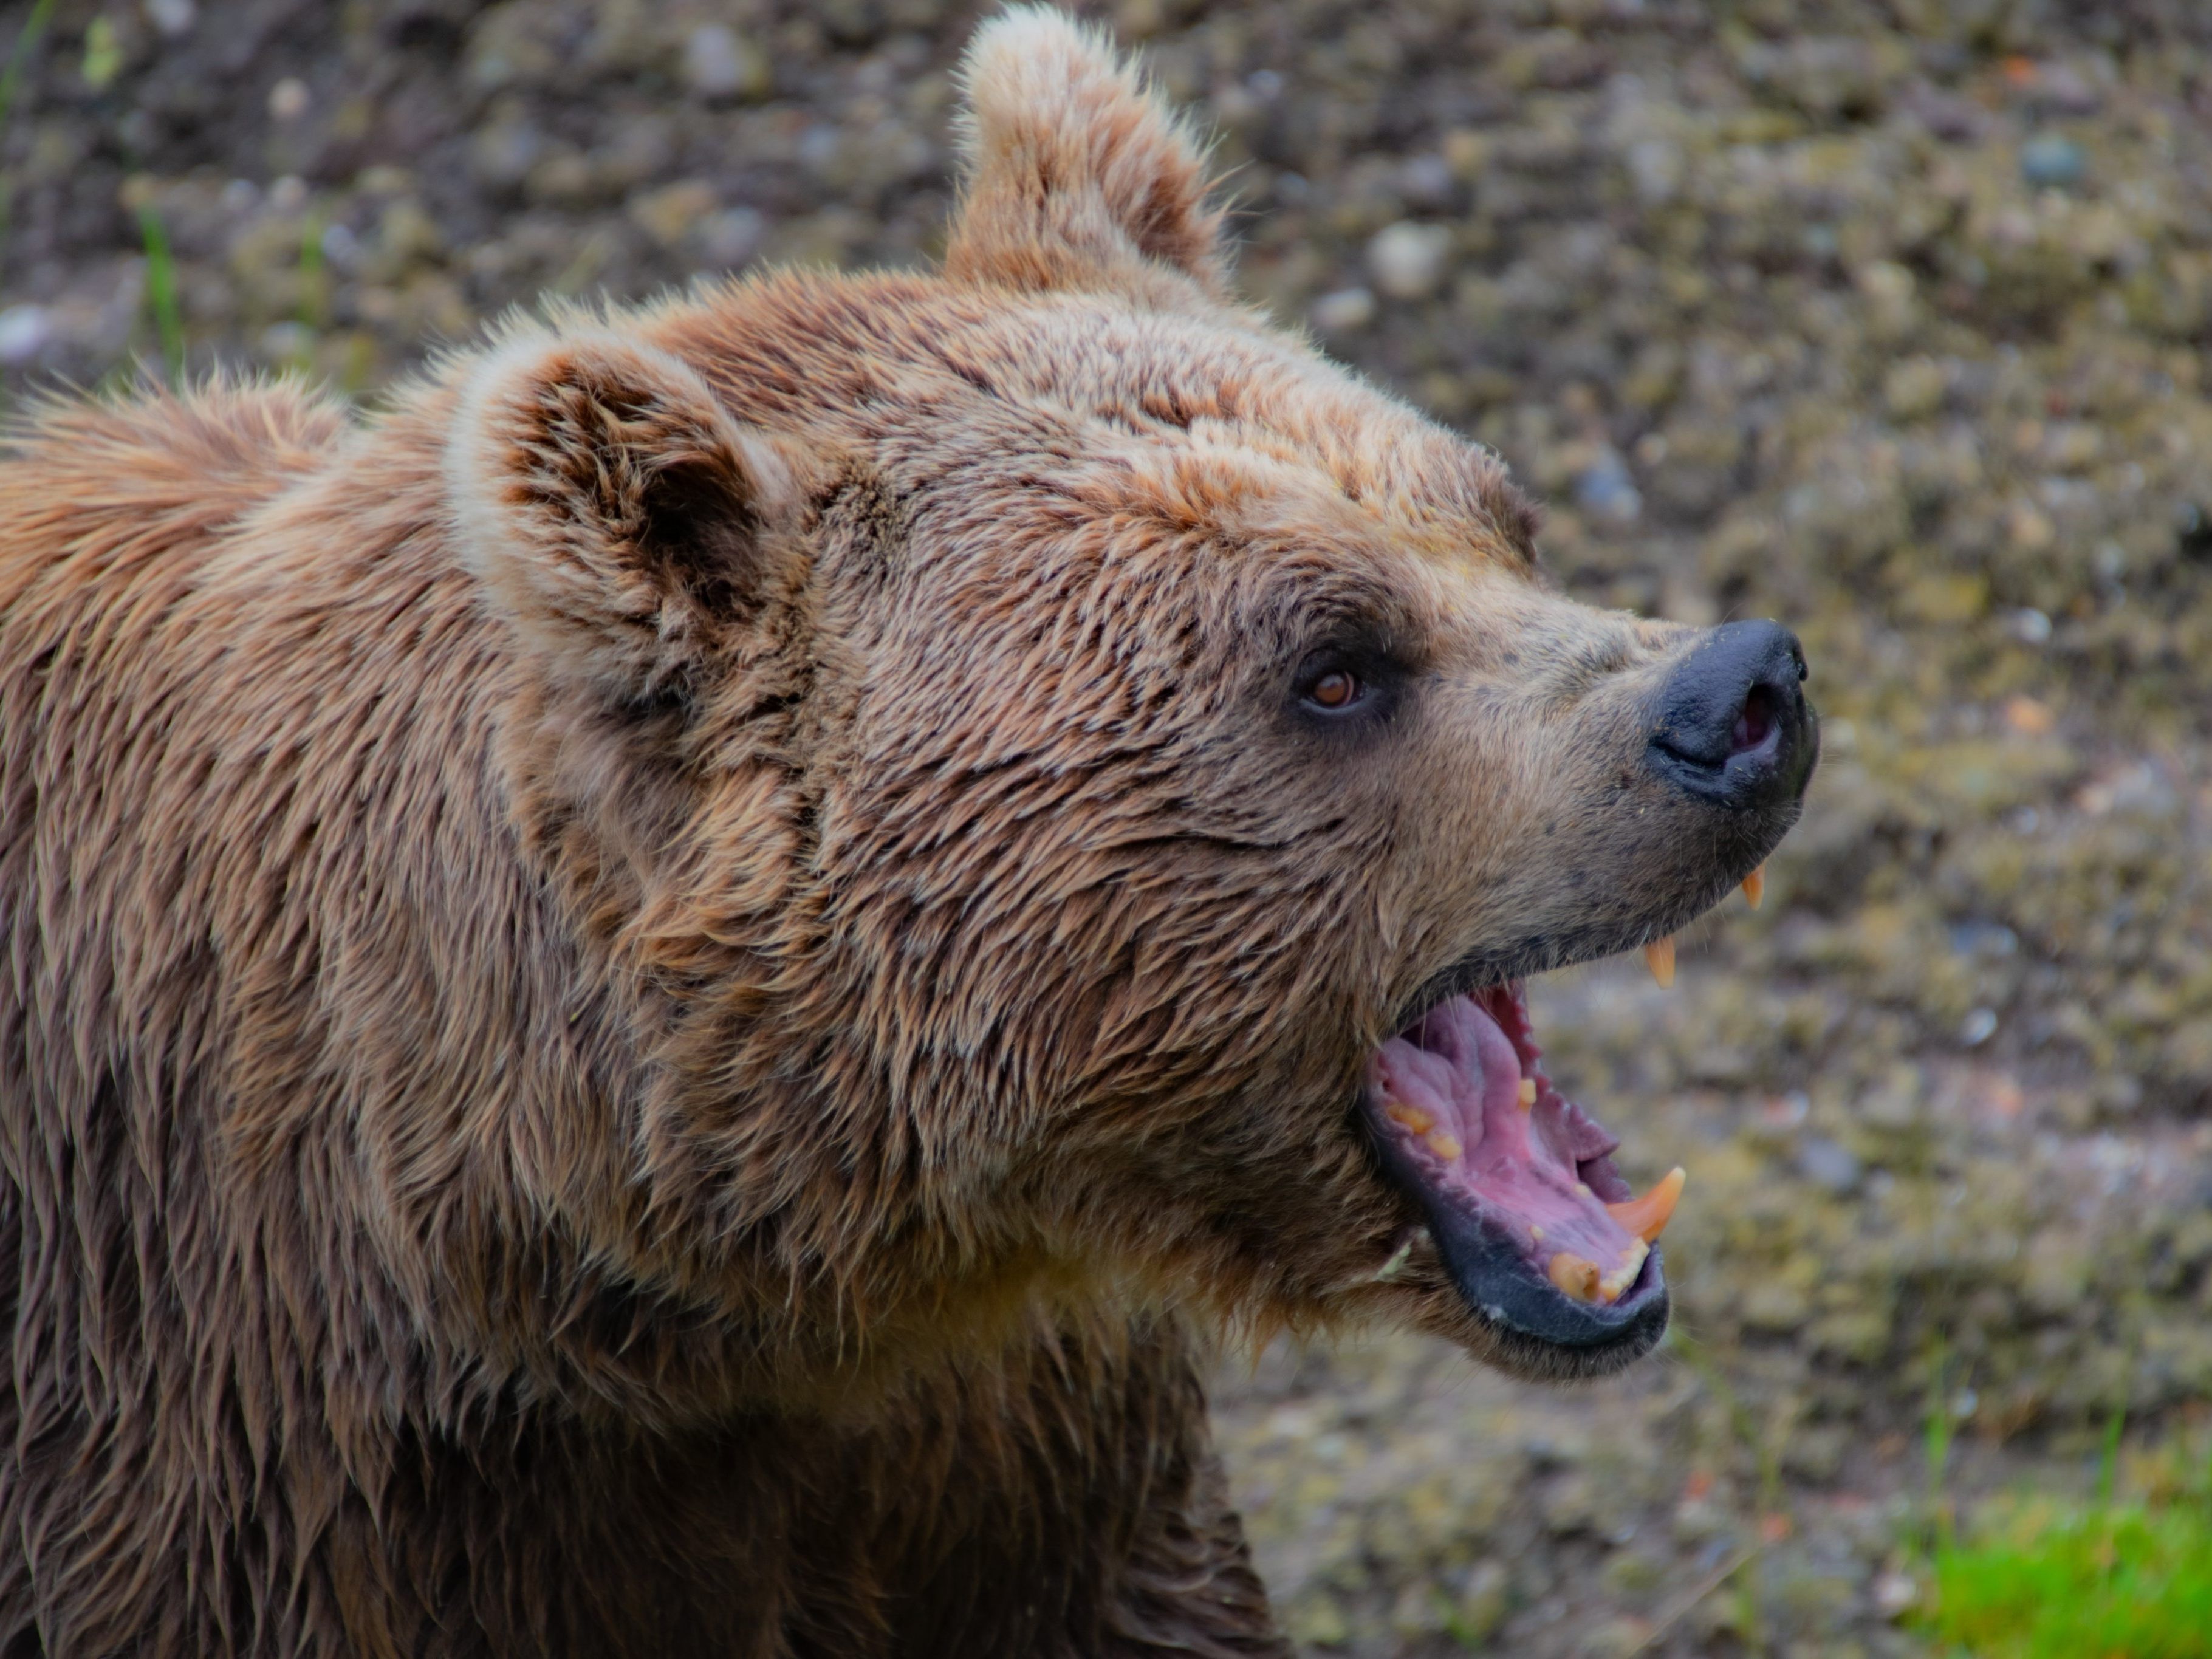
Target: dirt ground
<point>1888,319</point>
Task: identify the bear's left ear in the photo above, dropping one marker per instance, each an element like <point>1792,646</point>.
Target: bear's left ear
<point>1076,169</point>
<point>625,524</point>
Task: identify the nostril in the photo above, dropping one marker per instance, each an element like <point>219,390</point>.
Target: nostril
<point>1730,725</point>
<point>1754,722</point>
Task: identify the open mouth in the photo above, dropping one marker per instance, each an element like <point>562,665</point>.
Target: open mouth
<point>1535,1225</point>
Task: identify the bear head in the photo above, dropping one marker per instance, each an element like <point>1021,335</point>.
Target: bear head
<point>1078,779</point>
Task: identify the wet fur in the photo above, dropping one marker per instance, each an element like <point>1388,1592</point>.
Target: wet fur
<point>649,999</point>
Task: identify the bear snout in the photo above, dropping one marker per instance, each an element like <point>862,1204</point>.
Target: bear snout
<point>1734,727</point>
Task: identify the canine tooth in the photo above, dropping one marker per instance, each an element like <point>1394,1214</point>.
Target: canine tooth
<point>1647,1216</point>
<point>1576,1275</point>
<point>1445,1147</point>
<point>1611,1287</point>
<point>1528,1094</point>
<point>1754,886</point>
<point>1659,957</point>
<point>1412,1117</point>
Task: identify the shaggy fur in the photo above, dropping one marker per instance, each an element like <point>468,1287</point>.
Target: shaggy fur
<point>646,998</point>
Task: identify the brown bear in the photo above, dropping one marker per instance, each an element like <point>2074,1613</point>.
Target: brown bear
<point>652,1001</point>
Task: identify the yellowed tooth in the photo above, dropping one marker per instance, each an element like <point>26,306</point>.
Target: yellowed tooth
<point>1647,1216</point>
<point>1445,1146</point>
<point>1615,1284</point>
<point>1754,886</point>
<point>1412,1117</point>
<point>1576,1275</point>
<point>1528,1094</point>
<point>1659,957</point>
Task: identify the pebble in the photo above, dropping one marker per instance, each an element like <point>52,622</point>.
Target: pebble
<point>718,64</point>
<point>24,332</point>
<point>2050,161</point>
<point>1827,1164</point>
<point>288,99</point>
<point>1606,489</point>
<point>1406,261</point>
<point>1345,311</point>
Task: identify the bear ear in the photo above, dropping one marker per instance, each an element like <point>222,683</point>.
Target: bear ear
<point>614,512</point>
<point>1075,168</point>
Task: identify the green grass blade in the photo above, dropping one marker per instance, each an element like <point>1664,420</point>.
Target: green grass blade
<point>18,59</point>
<point>162,292</point>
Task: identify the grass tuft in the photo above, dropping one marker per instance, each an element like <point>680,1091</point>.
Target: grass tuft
<point>2044,1579</point>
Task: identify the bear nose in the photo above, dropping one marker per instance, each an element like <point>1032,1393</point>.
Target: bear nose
<point>1734,727</point>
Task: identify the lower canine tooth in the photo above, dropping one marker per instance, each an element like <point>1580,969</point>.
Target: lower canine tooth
<point>1647,1216</point>
<point>1659,957</point>
<point>1754,886</point>
<point>1574,1275</point>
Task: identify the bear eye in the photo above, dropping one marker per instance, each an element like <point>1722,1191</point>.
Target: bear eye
<point>1335,691</point>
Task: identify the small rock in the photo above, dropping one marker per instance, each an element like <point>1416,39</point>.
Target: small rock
<point>1826,1164</point>
<point>1605,488</point>
<point>1407,259</point>
<point>1913,389</point>
<point>2064,90</point>
<point>24,332</point>
<point>173,17</point>
<point>502,154</point>
<point>288,343</point>
<point>1343,310</point>
<point>1894,1594</point>
<point>669,214</point>
<point>1774,1308</point>
<point>1427,180</point>
<point>1657,167</point>
<point>2048,161</point>
<point>718,64</point>
<point>288,99</point>
<point>514,43</point>
<point>732,236</point>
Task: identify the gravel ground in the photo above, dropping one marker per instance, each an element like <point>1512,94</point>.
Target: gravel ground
<point>1889,320</point>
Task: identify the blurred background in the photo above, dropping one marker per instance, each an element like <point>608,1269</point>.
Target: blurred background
<point>1887,318</point>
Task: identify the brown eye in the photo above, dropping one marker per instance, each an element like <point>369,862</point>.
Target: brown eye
<point>1336,689</point>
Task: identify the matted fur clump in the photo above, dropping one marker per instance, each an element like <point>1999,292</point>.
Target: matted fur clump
<point>652,1001</point>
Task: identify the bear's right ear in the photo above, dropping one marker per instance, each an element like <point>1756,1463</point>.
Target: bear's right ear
<point>616,514</point>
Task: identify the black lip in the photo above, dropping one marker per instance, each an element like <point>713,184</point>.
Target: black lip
<point>1501,1284</point>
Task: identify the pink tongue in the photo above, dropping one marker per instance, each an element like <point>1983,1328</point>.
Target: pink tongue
<point>1449,1094</point>
<point>1462,1070</point>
